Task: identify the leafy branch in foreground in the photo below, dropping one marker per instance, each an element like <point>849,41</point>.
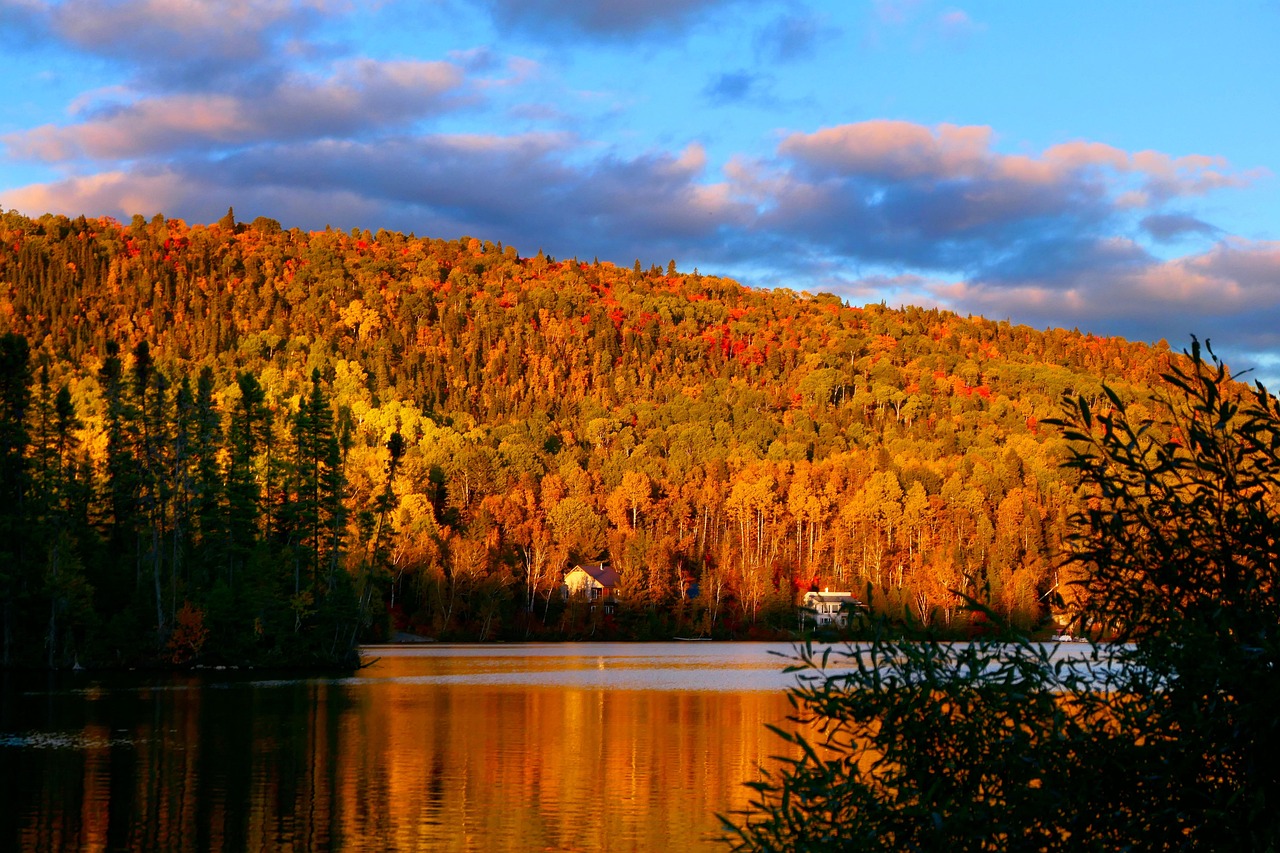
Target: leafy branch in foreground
<point>1162,738</point>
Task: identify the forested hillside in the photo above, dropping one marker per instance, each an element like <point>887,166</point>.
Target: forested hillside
<point>239,442</point>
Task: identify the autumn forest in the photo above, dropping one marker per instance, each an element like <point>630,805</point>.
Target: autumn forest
<point>237,443</point>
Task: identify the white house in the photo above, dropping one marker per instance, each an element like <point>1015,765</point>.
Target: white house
<point>828,608</point>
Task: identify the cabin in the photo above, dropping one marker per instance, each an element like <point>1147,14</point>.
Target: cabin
<point>828,608</point>
<point>592,581</point>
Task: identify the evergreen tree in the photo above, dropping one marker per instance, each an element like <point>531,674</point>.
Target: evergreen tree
<point>155,479</point>
<point>120,468</point>
<point>182,485</point>
<point>207,511</point>
<point>15,397</point>
<point>245,440</point>
<point>317,488</point>
<point>62,530</point>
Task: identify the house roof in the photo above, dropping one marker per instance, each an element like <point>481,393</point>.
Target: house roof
<point>602,573</point>
<point>831,597</point>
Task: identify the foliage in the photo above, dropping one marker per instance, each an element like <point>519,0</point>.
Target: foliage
<point>723,447</point>
<point>98,560</point>
<point>1162,740</point>
<point>189,635</point>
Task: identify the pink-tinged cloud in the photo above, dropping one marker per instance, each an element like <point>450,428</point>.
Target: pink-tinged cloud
<point>927,215</point>
<point>361,97</point>
<point>1230,292</point>
<point>895,12</point>
<point>894,150</point>
<point>956,25</point>
<point>1081,154</point>
<point>901,150</point>
<point>1235,275</point>
<point>106,193</point>
<point>913,17</point>
<point>943,198</point>
<point>522,190</point>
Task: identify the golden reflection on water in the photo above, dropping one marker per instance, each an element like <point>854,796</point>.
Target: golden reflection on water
<point>398,757</point>
<point>564,769</point>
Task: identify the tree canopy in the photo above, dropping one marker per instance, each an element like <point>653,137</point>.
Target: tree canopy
<point>724,448</point>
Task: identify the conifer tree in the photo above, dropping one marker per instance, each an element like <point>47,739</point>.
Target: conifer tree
<point>181,484</point>
<point>120,469</point>
<point>15,397</point>
<point>317,486</point>
<point>207,479</point>
<point>245,441</point>
<point>151,391</point>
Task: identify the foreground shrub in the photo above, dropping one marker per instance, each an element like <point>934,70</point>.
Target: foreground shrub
<point>1163,738</point>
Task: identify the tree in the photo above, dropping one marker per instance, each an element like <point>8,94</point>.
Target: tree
<point>206,475</point>
<point>247,436</point>
<point>316,506</point>
<point>155,484</point>
<point>578,528</point>
<point>120,463</point>
<point>525,528</point>
<point>1163,743</point>
<point>1183,556</point>
<point>15,396</point>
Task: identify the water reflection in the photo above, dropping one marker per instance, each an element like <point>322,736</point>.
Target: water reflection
<point>477,748</point>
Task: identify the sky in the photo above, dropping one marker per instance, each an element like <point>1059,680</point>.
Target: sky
<point>1110,167</point>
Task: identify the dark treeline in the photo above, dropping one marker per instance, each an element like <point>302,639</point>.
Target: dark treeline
<point>305,435</point>
<point>195,534</point>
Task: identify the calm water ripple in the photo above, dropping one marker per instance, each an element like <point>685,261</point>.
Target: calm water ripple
<point>555,747</point>
<point>454,748</point>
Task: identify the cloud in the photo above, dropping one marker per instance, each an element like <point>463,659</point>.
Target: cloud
<point>179,42</point>
<point>938,216</point>
<point>518,189</point>
<point>955,25</point>
<point>732,87</point>
<point>602,18</point>
<point>115,193</point>
<point>792,36</point>
<point>915,20</point>
<point>896,195</point>
<point>1231,292</point>
<point>360,98</point>
<point>932,215</point>
<point>1169,227</point>
<point>894,150</point>
<point>943,198</point>
<point>895,12</point>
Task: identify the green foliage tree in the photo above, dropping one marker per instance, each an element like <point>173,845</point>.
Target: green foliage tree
<point>1163,740</point>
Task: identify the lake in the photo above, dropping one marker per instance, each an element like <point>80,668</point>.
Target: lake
<point>497,747</point>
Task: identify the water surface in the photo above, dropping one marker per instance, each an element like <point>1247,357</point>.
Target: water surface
<point>506,747</point>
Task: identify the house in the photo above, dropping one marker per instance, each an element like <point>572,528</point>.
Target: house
<point>828,608</point>
<point>593,581</point>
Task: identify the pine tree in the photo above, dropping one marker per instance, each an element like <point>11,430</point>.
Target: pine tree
<point>15,397</point>
<point>207,490</point>
<point>151,392</point>
<point>244,498</point>
<point>118,516</point>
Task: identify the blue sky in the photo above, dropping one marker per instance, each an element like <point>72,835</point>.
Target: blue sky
<point>1109,167</point>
